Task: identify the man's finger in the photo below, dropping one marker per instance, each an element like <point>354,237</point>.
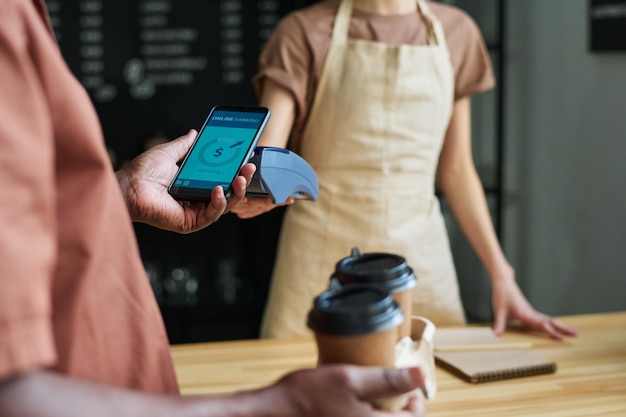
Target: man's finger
<point>238,190</point>
<point>372,383</point>
<point>218,203</point>
<point>247,171</point>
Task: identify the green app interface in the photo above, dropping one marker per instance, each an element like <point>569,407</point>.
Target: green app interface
<point>220,151</point>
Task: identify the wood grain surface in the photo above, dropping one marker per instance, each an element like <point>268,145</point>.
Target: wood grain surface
<point>590,379</point>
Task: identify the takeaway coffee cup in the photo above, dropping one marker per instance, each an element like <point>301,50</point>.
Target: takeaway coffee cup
<point>358,324</point>
<point>387,270</point>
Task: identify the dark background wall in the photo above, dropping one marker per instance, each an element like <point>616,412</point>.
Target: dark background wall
<point>566,135</point>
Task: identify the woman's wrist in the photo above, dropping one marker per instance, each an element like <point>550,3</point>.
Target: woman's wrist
<point>502,271</point>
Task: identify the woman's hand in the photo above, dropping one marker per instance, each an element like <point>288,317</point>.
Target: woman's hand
<point>144,183</point>
<point>509,304</point>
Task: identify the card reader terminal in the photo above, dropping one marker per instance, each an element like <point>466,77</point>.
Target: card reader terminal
<point>281,174</point>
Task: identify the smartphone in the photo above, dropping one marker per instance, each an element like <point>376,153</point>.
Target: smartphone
<point>223,145</point>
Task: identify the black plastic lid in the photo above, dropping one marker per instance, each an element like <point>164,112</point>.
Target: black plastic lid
<point>385,269</point>
<point>353,310</point>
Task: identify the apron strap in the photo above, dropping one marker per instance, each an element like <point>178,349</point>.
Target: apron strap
<point>435,31</point>
<point>342,22</point>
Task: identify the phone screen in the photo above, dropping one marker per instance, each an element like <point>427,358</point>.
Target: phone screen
<point>223,145</point>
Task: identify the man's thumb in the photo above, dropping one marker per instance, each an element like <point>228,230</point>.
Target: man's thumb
<point>180,146</point>
<point>371,383</point>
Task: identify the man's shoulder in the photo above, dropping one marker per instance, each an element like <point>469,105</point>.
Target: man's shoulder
<point>22,14</point>
<point>9,9</point>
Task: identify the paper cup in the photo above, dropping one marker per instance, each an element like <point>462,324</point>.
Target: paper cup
<point>390,272</point>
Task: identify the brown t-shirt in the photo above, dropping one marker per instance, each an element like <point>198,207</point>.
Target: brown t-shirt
<point>74,296</point>
<point>295,53</point>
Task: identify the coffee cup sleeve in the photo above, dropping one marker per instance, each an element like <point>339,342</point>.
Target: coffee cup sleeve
<point>422,353</point>
<point>414,351</point>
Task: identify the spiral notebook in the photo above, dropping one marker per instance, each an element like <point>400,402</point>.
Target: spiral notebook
<point>486,365</point>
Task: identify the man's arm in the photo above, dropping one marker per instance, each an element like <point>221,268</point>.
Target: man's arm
<point>328,391</point>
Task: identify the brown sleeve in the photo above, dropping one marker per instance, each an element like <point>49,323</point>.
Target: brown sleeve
<point>468,52</point>
<point>286,59</point>
<point>27,199</point>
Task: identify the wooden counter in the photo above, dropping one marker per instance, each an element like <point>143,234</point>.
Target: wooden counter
<point>590,379</point>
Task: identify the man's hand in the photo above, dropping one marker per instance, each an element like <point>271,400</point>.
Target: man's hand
<point>344,390</point>
<point>144,183</point>
<point>329,391</point>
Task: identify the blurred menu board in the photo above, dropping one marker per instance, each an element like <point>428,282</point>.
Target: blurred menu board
<point>607,25</point>
<point>156,67</point>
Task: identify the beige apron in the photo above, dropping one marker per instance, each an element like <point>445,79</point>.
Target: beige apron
<point>374,136</point>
